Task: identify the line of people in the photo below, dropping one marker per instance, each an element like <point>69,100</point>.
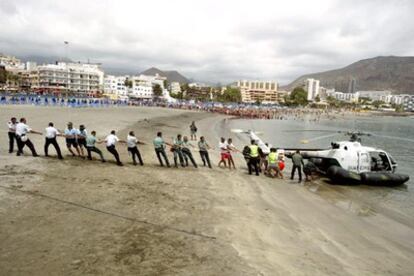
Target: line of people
<point>79,140</point>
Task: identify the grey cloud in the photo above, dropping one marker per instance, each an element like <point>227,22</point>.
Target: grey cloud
<point>279,46</point>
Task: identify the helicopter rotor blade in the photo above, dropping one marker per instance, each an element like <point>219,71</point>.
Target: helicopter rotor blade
<point>393,137</point>
<point>306,141</point>
<point>236,130</point>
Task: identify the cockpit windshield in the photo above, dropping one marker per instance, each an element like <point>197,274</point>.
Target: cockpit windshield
<point>380,161</point>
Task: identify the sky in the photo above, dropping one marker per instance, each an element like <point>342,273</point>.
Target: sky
<point>210,40</point>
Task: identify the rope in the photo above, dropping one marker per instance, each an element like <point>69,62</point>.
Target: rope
<point>110,213</point>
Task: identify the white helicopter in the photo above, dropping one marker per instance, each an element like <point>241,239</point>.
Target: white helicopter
<point>346,162</point>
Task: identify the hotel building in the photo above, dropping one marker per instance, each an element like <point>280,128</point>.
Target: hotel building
<point>312,88</point>
<point>259,91</point>
<point>74,78</point>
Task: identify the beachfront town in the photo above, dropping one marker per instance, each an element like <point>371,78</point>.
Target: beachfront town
<point>89,80</point>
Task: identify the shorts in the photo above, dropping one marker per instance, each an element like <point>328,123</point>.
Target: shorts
<point>82,142</point>
<point>224,156</point>
<point>71,142</point>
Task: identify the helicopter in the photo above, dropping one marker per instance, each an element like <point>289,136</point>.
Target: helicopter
<point>346,162</point>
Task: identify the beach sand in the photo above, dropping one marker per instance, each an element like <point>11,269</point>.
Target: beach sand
<point>79,217</point>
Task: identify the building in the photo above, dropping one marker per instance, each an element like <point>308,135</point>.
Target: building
<point>199,93</point>
<point>408,103</point>
<point>142,87</point>
<point>312,88</point>
<point>259,91</point>
<point>175,87</point>
<point>352,86</point>
<point>374,95</point>
<point>115,86</point>
<point>74,78</point>
<point>344,97</point>
<point>11,62</point>
<point>398,99</point>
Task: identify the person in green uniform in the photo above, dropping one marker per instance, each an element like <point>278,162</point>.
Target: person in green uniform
<point>273,164</point>
<point>90,146</point>
<point>159,146</point>
<point>254,158</point>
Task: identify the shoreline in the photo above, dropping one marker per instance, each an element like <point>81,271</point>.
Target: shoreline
<point>260,225</point>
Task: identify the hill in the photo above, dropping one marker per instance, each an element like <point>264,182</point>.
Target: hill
<point>380,73</point>
<point>172,76</point>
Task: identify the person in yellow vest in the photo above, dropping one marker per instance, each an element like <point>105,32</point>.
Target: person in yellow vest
<point>254,158</point>
<point>273,164</point>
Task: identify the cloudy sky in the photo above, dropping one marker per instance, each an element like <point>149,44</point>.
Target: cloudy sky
<point>211,40</point>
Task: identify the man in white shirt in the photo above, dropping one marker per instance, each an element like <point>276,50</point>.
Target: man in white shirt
<point>132,142</point>
<point>12,133</point>
<point>111,141</point>
<point>51,134</point>
<point>22,131</point>
<point>224,152</point>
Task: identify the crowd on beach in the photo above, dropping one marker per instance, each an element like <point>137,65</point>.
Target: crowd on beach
<point>81,143</point>
<point>240,110</point>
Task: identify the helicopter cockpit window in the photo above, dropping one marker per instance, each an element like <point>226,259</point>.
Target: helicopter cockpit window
<point>379,162</point>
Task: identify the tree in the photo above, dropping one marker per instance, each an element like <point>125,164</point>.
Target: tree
<point>299,96</point>
<point>128,83</point>
<point>377,104</point>
<point>317,99</point>
<point>230,95</point>
<point>156,92</point>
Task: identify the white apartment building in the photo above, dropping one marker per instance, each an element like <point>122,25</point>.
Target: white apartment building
<point>374,95</point>
<point>142,86</point>
<point>312,88</point>
<point>398,99</point>
<point>115,85</point>
<point>175,87</point>
<point>77,78</point>
<point>408,103</point>
<point>345,97</point>
<point>262,91</point>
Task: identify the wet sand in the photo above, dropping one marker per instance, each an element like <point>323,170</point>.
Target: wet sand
<point>78,217</point>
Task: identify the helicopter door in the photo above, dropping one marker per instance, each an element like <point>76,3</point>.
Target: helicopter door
<point>363,162</point>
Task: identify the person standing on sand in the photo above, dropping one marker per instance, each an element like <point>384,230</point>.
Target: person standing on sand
<point>71,139</point>
<point>231,148</point>
<point>187,152</point>
<point>22,131</point>
<point>111,141</point>
<point>50,138</point>
<point>254,158</point>
<point>203,147</point>
<point>82,133</point>
<point>193,131</point>
<point>297,161</point>
<point>90,146</point>
<point>132,143</point>
<point>159,146</point>
<point>223,152</point>
<point>178,151</point>
<point>12,133</point>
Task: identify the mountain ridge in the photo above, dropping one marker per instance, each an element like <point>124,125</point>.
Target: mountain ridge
<point>394,73</point>
<point>171,75</point>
